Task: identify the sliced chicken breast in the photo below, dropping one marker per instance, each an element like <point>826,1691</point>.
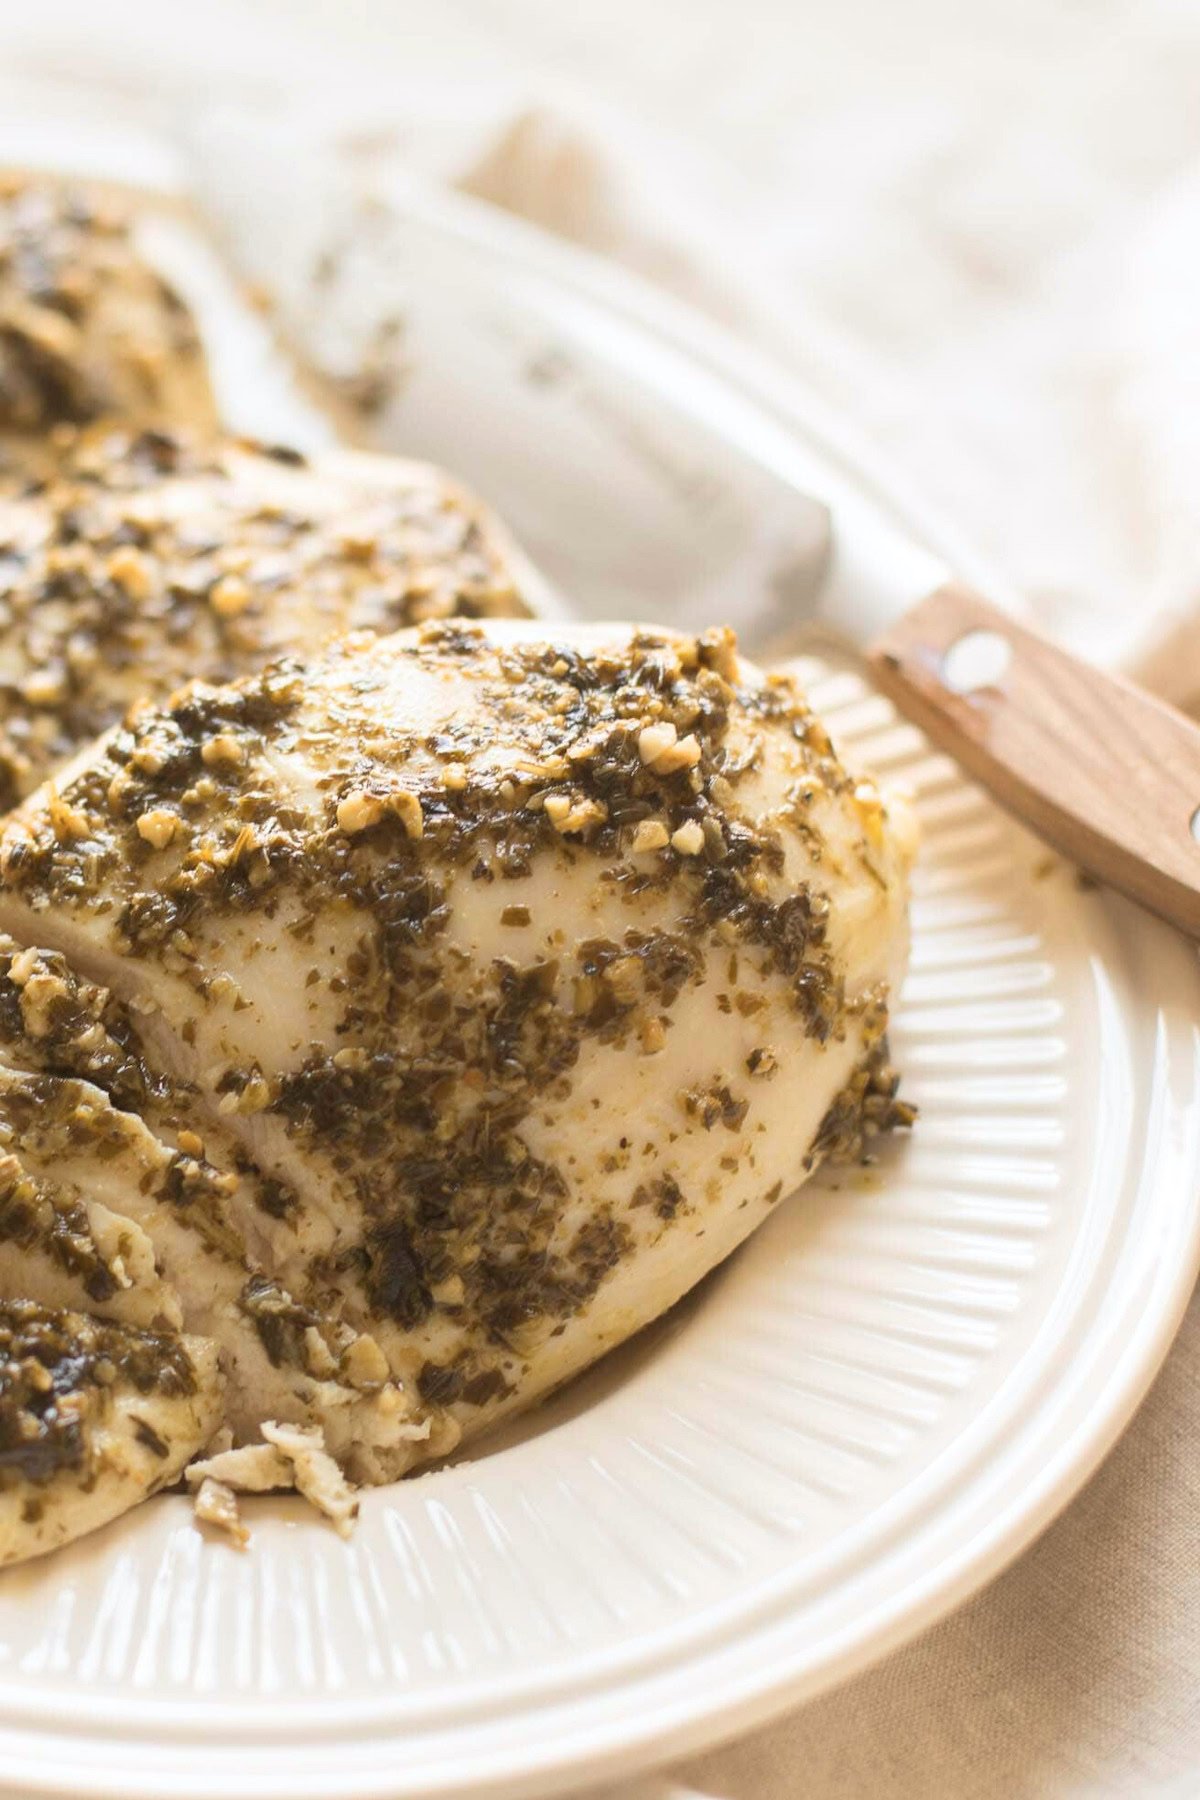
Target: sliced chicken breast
<point>526,969</point>
<point>111,1202</point>
<point>93,1418</point>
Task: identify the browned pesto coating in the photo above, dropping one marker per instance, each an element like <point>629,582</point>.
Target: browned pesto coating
<point>144,558</point>
<point>501,952</point>
<point>87,327</point>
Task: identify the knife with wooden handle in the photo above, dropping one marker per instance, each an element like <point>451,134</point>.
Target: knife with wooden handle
<point>1096,766</point>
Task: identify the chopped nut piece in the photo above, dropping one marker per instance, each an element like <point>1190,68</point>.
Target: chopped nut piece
<point>407,808</point>
<point>131,572</point>
<point>568,815</point>
<point>719,647</point>
<point>364,1364</point>
<point>23,966</point>
<point>40,993</point>
<point>359,811</point>
<point>225,749</point>
<point>67,821</point>
<point>255,1096</point>
<point>685,755</point>
<point>689,839</point>
<point>358,546</point>
<point>230,596</point>
<point>317,1354</point>
<point>44,687</point>
<point>158,826</point>
<point>870,810</point>
<point>663,750</point>
<point>651,834</point>
<point>655,740</point>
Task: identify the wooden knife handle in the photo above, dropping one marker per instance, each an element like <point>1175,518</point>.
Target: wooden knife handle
<point>1093,764</point>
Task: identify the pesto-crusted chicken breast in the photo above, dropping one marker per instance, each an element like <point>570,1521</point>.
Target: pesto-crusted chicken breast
<point>93,1418</point>
<point>464,996</point>
<point>87,326</point>
<point>142,558</point>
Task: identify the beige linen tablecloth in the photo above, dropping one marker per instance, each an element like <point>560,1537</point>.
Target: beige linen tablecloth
<point>975,227</point>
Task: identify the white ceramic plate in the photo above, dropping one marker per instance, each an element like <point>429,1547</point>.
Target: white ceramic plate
<point>857,1420</point>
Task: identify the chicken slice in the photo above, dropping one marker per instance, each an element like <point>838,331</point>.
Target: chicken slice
<point>536,966</point>
<point>144,558</point>
<point>87,326</point>
<point>111,1203</point>
<point>93,1418</point>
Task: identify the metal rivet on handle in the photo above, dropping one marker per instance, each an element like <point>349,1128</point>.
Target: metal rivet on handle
<point>977,659</point>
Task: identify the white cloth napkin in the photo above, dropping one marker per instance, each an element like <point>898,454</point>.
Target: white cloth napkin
<point>976,229</point>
